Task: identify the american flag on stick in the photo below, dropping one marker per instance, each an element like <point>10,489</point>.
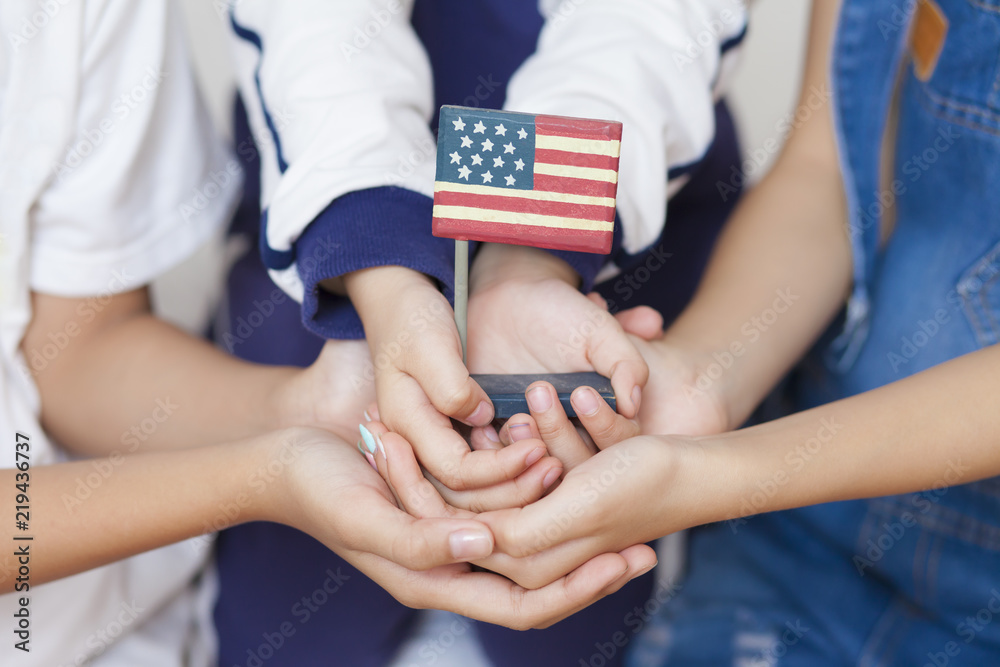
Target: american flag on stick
<point>526,179</point>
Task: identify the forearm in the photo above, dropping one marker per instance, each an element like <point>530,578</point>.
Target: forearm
<point>158,387</point>
<point>782,268</point>
<point>143,502</point>
<point>934,429</point>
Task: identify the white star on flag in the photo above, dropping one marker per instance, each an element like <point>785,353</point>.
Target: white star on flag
<point>466,141</point>
<point>487,177</point>
<point>464,172</point>
<point>476,160</point>
<point>459,124</point>
<point>455,158</point>
<point>479,128</point>
<point>508,148</point>
<point>501,130</point>
<point>487,145</point>
<point>519,164</point>
<point>498,161</point>
<point>522,134</point>
<point>510,180</point>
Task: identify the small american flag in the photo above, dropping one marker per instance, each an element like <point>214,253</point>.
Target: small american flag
<point>543,181</point>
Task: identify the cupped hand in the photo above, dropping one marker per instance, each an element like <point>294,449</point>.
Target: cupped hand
<point>331,492</point>
<point>422,383</point>
<point>527,316</point>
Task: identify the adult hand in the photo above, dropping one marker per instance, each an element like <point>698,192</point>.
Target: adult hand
<point>332,493</point>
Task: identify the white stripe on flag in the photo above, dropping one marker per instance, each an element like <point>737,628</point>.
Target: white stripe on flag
<point>566,171</point>
<point>462,188</point>
<point>573,145</point>
<point>532,219</point>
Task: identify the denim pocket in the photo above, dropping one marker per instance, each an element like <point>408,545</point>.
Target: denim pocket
<point>979,292</point>
<point>965,85</point>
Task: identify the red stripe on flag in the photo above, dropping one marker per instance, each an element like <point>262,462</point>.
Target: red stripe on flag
<point>578,128</point>
<point>575,186</point>
<point>549,156</point>
<point>523,205</point>
<point>573,240</point>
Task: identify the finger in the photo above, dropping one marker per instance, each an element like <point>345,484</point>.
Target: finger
<point>519,427</point>
<point>501,601</point>
<point>485,437</point>
<point>418,497</point>
<point>443,451</point>
<point>371,412</point>
<point>641,321</point>
<point>614,356</point>
<point>605,426</point>
<point>598,299</point>
<point>554,427</point>
<point>438,368</point>
<point>525,489</point>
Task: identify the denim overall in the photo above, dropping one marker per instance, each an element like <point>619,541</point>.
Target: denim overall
<point>904,580</point>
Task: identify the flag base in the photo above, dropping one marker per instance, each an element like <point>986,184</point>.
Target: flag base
<point>507,391</point>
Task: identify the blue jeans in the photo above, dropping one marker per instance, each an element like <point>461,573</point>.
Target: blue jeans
<point>903,580</point>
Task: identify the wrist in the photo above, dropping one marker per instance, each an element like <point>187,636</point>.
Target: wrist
<point>371,289</point>
<point>497,262</point>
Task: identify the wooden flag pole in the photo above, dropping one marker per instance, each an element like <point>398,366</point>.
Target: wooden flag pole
<point>462,293</point>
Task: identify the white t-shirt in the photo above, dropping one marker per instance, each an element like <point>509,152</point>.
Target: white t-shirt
<point>110,173</point>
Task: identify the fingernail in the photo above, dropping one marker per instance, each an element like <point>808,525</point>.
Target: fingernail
<point>636,397</point>
<point>368,417</point>
<point>482,415</point>
<point>381,447</point>
<point>491,434</point>
<point>361,448</point>
<point>551,477</point>
<point>643,571</point>
<point>470,544</point>
<point>371,460</point>
<point>368,438</point>
<point>586,402</point>
<point>519,432</point>
<point>534,456</point>
<point>539,399</point>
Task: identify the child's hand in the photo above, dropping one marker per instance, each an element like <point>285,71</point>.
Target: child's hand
<point>525,316</point>
<point>332,493</point>
<point>421,383</point>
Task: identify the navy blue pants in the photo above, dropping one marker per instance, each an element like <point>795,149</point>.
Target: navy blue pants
<point>285,600</point>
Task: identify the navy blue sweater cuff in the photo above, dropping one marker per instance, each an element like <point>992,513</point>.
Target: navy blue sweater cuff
<point>385,226</point>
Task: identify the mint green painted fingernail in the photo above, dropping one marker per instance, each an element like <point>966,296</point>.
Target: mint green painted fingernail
<point>368,438</point>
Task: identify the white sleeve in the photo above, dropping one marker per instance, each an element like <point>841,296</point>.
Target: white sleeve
<point>144,179</point>
<point>339,95</point>
<point>655,65</point>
